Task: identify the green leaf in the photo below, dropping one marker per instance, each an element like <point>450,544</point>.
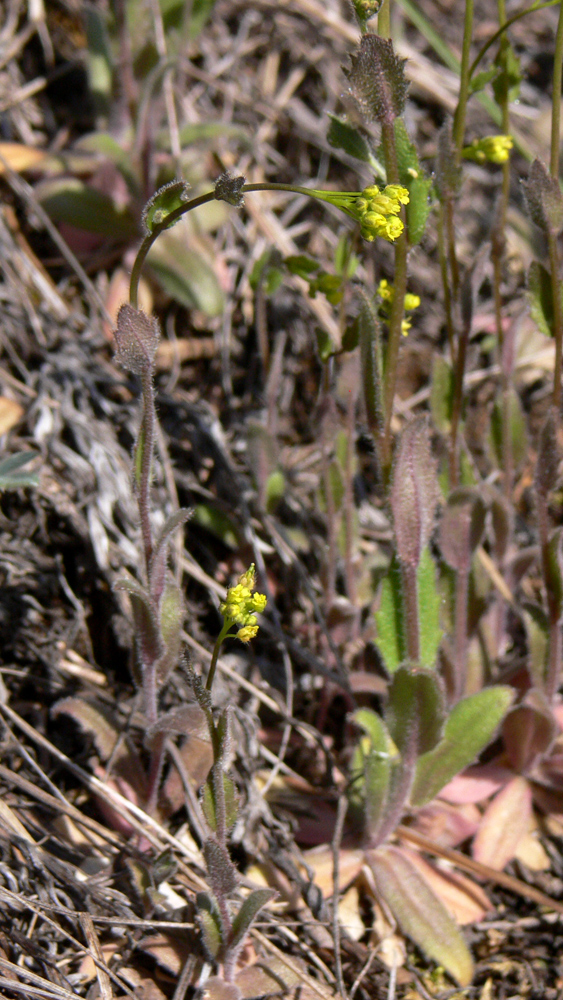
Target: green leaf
<point>166,200</point>
<point>429,604</point>
<point>275,490</point>
<point>217,523</point>
<point>480,80</point>
<point>70,200</point>
<point>186,275</point>
<point>10,476</point>
<point>370,768</point>
<point>209,804</point>
<point>544,199</point>
<point>413,177</point>
<point>540,297</point>
<point>441,393</point>
<point>419,912</point>
<point>554,570</point>
<point>415,711</point>
<point>211,924</point>
<point>345,261</point>
<point>198,133</point>
<point>537,635</point>
<point>390,621</point>
<point>341,135</point>
<point>108,147</point>
<point>369,331</point>
<point>325,344</point>
<point>518,429</point>
<point>247,915</point>
<point>301,265</point>
<point>221,872</point>
<point>98,60</point>
<point>506,84</point>
<point>469,727</point>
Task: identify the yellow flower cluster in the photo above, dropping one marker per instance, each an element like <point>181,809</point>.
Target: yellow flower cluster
<point>386,292</point>
<point>376,210</point>
<point>491,149</point>
<point>241,605</point>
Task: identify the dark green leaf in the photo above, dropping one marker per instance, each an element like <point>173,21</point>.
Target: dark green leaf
<point>211,924</point>
<point>415,711</point>
<point>69,200</point>
<point>341,135</point>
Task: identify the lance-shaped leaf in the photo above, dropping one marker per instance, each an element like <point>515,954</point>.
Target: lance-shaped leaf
<point>461,527</point>
<point>414,493</point>
<point>157,569</point>
<point>419,913</point>
<point>501,521</point>
<point>342,135</point>
<point>224,735</point>
<point>162,204</point>
<point>188,720</point>
<point>415,711</point>
<point>377,79</point>
<point>540,297</point>
<point>537,635</point>
<point>544,199</point>
<point>470,726</point>
<point>529,730</point>
<point>210,923</point>
<point>371,766</point>
<point>553,581</point>
<point>221,872</point>
<point>11,478</point>
<point>516,427</point>
<point>147,631</point>
<point>549,455</point>
<point>209,800</point>
<point>429,604</point>
<point>136,340</point>
<point>247,915</point>
<point>505,822</point>
<point>171,611</point>
<point>412,176</point>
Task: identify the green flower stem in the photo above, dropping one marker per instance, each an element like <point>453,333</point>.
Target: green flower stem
<point>445,281</point>
<point>457,406</point>
<point>464,79</point>
<point>384,19</point>
<point>227,625</point>
<point>556,98</point>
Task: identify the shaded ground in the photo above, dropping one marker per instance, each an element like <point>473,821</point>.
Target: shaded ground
<point>241,394</point>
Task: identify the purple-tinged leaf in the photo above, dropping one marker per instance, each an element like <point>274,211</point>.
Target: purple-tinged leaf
<point>217,989</point>
<point>469,727</point>
<point>221,872</point>
<point>209,801</point>
<point>505,821</point>
<point>501,520</point>
<point>377,80</point>
<point>461,527</point>
<point>414,494</point>
<point>549,455</point>
<point>419,913</point>
<point>529,730</point>
<point>189,720</point>
<point>157,568</point>
<point>136,340</point>
<point>544,199</point>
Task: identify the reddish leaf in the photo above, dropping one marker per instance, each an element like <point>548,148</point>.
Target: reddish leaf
<point>505,821</point>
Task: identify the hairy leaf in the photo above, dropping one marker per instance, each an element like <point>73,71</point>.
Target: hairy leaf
<point>247,915</point>
<point>461,527</point>
<point>419,912</point>
<point>413,177</point>
<point>210,923</point>
<point>370,767</point>
<point>470,725</point>
<point>136,340</point>
<point>209,802</point>
<point>415,711</point>
<point>377,79</point>
<point>414,493</point>
<point>221,872</point>
<point>544,199</point>
<point>167,200</point>
<point>390,620</point>
<point>429,604</point>
<point>448,171</point>
<point>157,569</point>
<point>342,135</point>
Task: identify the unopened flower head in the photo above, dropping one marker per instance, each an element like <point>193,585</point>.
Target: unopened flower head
<point>241,606</point>
<point>491,149</point>
<point>376,210</point>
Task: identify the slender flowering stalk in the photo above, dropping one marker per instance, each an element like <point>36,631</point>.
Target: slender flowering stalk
<point>239,611</point>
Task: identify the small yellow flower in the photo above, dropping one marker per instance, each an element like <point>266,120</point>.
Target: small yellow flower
<point>386,292</point>
<point>241,605</point>
<point>376,210</point>
<point>490,149</point>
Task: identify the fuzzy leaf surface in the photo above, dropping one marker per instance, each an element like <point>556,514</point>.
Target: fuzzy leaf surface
<point>377,79</point>
<point>461,527</point>
<point>247,915</point>
<point>429,604</point>
<point>210,923</point>
<point>470,725</point>
<point>221,872</point>
<point>162,204</point>
<point>544,199</point>
<point>414,493</point>
<point>370,768</point>
<point>419,913</point>
<point>415,711</point>
<point>390,620</point>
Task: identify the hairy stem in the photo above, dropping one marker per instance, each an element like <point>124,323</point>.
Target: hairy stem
<point>557,318</point>
<point>464,79</point>
<point>556,99</point>
<point>143,464</point>
<point>410,596</point>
